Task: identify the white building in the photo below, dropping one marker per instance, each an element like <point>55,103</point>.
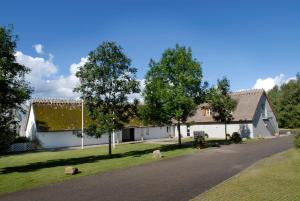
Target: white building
<point>53,122</point>
<point>253,117</point>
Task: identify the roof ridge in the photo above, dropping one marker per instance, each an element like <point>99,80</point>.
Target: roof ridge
<point>248,92</point>
<point>55,101</point>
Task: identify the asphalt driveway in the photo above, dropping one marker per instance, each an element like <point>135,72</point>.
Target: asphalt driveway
<point>180,178</point>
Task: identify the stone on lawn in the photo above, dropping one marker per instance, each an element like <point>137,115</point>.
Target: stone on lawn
<point>71,170</point>
<point>156,154</point>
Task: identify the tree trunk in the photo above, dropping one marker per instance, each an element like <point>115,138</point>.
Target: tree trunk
<point>179,134</point>
<point>109,145</point>
<point>226,130</point>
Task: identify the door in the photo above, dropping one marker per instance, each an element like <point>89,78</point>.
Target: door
<point>127,134</point>
<point>131,134</point>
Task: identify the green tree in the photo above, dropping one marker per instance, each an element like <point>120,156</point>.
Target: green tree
<point>14,90</point>
<point>106,80</point>
<point>286,103</point>
<point>221,103</point>
<point>173,88</point>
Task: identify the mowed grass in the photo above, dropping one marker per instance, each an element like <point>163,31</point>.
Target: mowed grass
<point>274,178</point>
<point>28,170</point>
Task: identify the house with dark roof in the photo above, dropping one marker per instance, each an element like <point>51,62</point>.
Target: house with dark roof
<point>252,117</point>
<point>53,122</point>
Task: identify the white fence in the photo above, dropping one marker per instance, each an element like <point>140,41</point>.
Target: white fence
<point>17,147</point>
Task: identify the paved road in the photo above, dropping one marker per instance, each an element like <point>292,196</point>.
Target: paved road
<point>180,178</point>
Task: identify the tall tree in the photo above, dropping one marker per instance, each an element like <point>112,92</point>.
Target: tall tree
<point>173,88</point>
<point>221,103</point>
<point>14,90</point>
<point>106,80</point>
<point>286,103</point>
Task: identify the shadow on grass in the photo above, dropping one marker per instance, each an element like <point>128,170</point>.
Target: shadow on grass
<point>87,159</point>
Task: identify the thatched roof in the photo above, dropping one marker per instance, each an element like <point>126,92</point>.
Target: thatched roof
<point>63,115</point>
<point>58,115</point>
<point>247,102</point>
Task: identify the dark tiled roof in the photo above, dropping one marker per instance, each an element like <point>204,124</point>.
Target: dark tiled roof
<point>247,102</point>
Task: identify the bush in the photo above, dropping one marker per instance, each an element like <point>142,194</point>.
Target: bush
<point>6,139</point>
<point>200,142</point>
<point>297,140</point>
<point>228,136</point>
<point>21,139</point>
<point>236,137</point>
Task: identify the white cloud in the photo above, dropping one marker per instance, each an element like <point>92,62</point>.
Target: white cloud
<point>138,96</point>
<point>40,67</point>
<point>44,79</point>
<point>38,48</point>
<point>269,82</point>
<point>47,82</point>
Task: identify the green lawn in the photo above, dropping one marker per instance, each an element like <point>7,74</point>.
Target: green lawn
<point>27,170</point>
<point>274,178</point>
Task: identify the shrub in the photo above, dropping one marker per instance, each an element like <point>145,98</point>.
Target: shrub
<point>21,139</point>
<point>236,137</point>
<point>228,136</point>
<point>200,142</point>
<point>297,140</point>
<point>6,139</point>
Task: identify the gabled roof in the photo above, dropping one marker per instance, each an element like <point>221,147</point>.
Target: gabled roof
<point>65,115</point>
<point>58,115</point>
<point>62,115</point>
<point>247,102</point>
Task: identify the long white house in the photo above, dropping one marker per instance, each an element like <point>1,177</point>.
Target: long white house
<point>252,117</point>
<point>53,122</point>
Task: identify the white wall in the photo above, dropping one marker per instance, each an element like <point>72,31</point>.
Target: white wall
<point>31,126</point>
<point>153,133</point>
<point>183,131</point>
<point>68,139</point>
<point>218,130</point>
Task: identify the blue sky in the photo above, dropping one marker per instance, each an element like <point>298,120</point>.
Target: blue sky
<point>243,40</point>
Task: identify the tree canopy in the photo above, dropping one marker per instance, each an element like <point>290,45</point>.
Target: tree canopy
<point>286,103</point>
<point>106,80</point>
<point>221,103</point>
<point>14,90</point>
<point>173,88</point>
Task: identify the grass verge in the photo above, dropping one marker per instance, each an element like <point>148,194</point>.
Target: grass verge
<point>274,178</point>
<point>28,170</point>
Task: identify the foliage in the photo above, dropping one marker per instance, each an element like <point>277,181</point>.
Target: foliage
<point>106,80</point>
<point>286,103</point>
<point>21,139</point>
<point>14,90</point>
<point>200,142</point>
<point>173,88</point>
<point>221,103</point>
<point>297,140</point>
<point>236,137</point>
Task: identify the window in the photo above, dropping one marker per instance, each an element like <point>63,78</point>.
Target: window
<point>264,111</point>
<point>167,129</point>
<point>188,130</point>
<point>207,112</point>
